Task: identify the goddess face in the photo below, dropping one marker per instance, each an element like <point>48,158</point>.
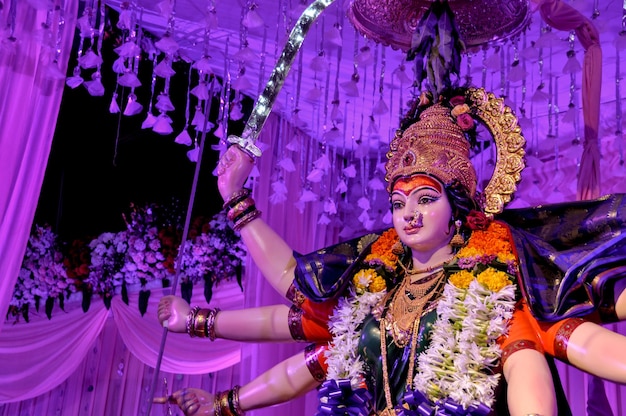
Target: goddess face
<point>421,213</point>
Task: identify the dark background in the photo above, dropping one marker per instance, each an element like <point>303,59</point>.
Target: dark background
<point>92,176</point>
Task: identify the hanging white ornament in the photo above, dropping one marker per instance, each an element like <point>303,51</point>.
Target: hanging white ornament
<point>324,220</point>
<point>246,55</point>
<point>167,45</point>
<point>364,57</point>
<point>287,164</point>
<point>128,50</point>
<point>330,207</point>
<point>130,80</point>
<point>540,96</point>
<point>350,171</point>
<point>236,112</point>
<point>308,196</point>
<point>149,121</point>
<point>380,107</point>
<point>293,145</point>
<point>341,187</point>
<point>252,20</point>
<point>333,135</point>
<point>203,64</point>
<point>119,66</point>
<point>90,60</point>
<point>219,132</point>
<point>162,125</point>
<point>165,8</point>
<point>164,69</point>
<point>315,176</point>
<point>517,73</point>
<point>114,108</point>
<point>313,95</point>
<point>242,83</point>
<point>351,88</point>
<point>193,154</point>
<point>164,104</point>
<point>210,19</point>
<point>319,63</point>
<point>84,26</point>
<point>124,21</point>
<point>364,217</point>
<point>183,138</point>
<point>336,115</point>
<point>95,87</point>
<point>375,184</point>
<point>400,74</point>
<point>74,81</point>
<point>296,120</point>
<point>323,162</point>
<point>132,106</point>
<point>201,91</point>
<point>572,66</point>
<point>388,217</point>
<point>332,37</point>
<point>364,203</point>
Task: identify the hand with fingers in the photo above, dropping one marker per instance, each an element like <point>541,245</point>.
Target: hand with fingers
<point>193,402</point>
<point>172,313</point>
<point>233,170</point>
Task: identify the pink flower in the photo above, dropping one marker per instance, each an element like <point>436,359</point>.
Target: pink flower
<point>457,100</point>
<point>465,121</point>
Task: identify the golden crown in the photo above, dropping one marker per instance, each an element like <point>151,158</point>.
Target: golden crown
<point>436,145</point>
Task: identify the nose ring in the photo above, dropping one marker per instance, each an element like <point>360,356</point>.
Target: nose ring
<point>416,221</point>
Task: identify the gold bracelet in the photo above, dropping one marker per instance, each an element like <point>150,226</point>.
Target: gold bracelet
<point>233,402</point>
<point>217,404</point>
<point>235,197</point>
<point>191,318</point>
<point>245,219</point>
<point>210,323</point>
<point>199,324</point>
<point>239,208</point>
<point>220,404</point>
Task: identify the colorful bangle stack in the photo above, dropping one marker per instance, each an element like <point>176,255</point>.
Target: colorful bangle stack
<point>226,403</point>
<point>201,323</point>
<point>241,208</point>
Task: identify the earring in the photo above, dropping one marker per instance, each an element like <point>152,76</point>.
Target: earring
<point>457,240</point>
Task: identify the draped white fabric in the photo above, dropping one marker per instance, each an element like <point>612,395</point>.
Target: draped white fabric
<point>39,356</point>
<point>32,86</point>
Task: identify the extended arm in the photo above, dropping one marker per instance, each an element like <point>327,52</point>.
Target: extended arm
<point>271,254</point>
<point>263,324</point>
<point>285,381</point>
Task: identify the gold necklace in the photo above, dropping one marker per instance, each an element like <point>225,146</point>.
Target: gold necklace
<point>425,269</point>
<point>385,325</point>
<point>407,305</point>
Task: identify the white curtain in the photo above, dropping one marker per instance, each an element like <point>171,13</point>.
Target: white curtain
<point>101,362</point>
<point>33,62</point>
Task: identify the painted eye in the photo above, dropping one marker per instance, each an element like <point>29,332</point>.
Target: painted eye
<point>396,205</point>
<point>427,199</point>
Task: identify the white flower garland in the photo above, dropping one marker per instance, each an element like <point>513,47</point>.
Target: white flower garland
<point>343,358</point>
<point>460,367</point>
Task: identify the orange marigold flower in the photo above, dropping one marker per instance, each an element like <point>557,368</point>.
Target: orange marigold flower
<point>381,250</point>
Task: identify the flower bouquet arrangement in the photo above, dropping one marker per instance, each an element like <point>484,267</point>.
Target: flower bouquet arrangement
<point>108,257</point>
<point>42,275</point>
